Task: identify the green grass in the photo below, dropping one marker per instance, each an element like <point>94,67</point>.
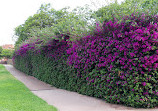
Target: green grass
<point>14,96</point>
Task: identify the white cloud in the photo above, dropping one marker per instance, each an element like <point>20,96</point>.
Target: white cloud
<point>15,12</point>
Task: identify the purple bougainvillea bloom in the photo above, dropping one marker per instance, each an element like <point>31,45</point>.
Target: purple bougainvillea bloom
<point>144,83</point>
<point>145,93</point>
<point>132,54</point>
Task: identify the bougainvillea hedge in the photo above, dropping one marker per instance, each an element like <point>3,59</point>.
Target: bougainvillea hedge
<point>47,61</point>
<point>117,63</point>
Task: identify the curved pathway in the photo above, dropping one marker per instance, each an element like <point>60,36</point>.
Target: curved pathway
<point>66,100</point>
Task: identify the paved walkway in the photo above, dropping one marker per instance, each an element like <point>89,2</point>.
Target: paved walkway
<point>66,100</point>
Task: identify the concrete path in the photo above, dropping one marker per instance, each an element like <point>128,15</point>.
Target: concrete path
<point>66,100</point>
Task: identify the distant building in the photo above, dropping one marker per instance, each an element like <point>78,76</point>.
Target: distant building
<point>8,46</point>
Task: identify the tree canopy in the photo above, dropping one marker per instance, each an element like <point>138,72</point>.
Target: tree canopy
<point>40,20</point>
<point>54,22</point>
<point>48,22</point>
<point>117,11</point>
<point>6,53</point>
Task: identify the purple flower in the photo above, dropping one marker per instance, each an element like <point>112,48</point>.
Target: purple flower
<point>132,54</point>
<point>145,93</point>
<point>111,67</point>
<point>141,99</point>
<point>144,83</point>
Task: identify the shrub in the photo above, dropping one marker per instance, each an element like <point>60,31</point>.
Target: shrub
<point>46,61</point>
<point>117,63</point>
<point>121,61</point>
<point>22,58</point>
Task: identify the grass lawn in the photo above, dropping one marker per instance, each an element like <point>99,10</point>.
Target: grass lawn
<point>15,96</point>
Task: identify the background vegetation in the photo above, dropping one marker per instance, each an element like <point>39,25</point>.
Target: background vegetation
<point>7,53</point>
<point>48,22</point>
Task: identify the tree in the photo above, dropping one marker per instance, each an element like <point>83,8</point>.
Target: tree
<point>40,20</point>
<point>7,53</point>
<point>51,22</point>
<point>116,10</point>
<point>1,50</point>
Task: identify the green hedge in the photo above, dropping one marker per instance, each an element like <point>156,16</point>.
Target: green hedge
<point>23,64</point>
<point>56,73</point>
<point>117,63</point>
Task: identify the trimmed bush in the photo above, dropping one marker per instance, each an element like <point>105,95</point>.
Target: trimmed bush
<point>117,63</point>
<point>121,61</point>
<point>46,61</point>
<point>22,58</point>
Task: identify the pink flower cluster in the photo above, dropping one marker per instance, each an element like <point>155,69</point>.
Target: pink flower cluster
<point>127,46</point>
<point>126,50</point>
<point>22,51</point>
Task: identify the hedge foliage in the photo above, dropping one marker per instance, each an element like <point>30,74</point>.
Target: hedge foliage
<point>117,63</point>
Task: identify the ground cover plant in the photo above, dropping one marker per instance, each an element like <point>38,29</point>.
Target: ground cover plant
<point>14,96</point>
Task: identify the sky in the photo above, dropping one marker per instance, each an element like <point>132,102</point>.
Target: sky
<point>15,12</point>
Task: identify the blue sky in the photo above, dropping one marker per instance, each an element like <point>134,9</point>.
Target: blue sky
<point>15,12</point>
